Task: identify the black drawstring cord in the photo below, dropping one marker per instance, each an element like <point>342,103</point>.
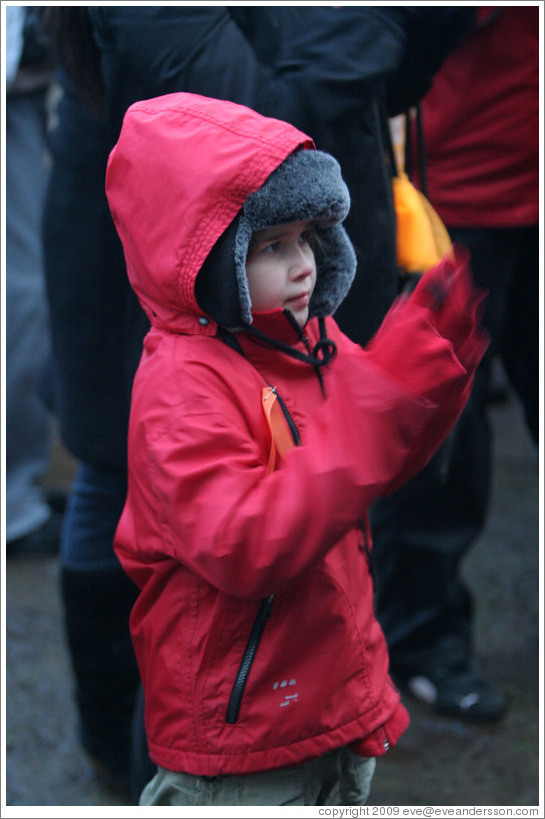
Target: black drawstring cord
<point>325,350</point>
<point>320,356</point>
<point>230,339</point>
<point>322,353</point>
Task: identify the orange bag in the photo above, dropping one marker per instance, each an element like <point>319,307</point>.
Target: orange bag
<point>422,239</point>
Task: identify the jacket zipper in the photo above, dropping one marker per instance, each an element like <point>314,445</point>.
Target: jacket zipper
<point>291,423</point>
<point>263,614</point>
<point>248,658</point>
<point>385,741</point>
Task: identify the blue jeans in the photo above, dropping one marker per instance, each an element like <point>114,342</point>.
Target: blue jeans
<point>93,511</point>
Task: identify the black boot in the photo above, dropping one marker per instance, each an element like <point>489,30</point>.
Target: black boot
<point>97,605</point>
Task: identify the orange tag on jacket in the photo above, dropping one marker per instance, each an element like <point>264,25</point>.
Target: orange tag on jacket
<point>282,440</point>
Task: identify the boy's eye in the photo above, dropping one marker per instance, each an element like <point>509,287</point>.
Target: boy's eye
<point>271,248</point>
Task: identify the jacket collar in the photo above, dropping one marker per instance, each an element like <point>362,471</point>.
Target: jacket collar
<point>279,325</point>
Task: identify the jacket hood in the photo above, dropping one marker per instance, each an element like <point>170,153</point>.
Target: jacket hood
<point>182,170</point>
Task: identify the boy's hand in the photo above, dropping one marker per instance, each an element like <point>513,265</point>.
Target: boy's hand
<point>423,335</point>
<point>448,291</point>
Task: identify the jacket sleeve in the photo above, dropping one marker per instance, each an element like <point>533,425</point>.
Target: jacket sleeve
<point>445,300</point>
<point>250,533</point>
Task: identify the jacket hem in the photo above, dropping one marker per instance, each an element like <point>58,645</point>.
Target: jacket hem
<point>373,742</point>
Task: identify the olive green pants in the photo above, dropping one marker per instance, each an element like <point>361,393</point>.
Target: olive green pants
<point>337,778</point>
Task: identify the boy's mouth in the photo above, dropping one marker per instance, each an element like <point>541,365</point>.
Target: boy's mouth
<point>300,300</point>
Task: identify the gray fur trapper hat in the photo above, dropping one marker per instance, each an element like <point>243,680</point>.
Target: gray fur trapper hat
<point>307,186</point>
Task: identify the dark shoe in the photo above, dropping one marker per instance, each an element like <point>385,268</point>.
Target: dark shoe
<point>458,692</point>
<point>42,542</point>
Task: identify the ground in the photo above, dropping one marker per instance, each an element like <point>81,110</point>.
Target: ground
<point>438,762</point>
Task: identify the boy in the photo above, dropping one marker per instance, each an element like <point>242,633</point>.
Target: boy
<point>259,436</point>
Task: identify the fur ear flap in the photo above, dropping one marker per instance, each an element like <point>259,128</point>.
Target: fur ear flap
<point>242,244</point>
<point>336,269</point>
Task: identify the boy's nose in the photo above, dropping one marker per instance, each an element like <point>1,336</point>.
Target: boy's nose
<point>302,264</point>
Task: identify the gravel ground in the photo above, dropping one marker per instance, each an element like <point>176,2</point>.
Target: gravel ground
<point>438,762</point>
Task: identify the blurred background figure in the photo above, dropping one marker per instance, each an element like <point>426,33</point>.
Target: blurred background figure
<point>96,331</point>
<point>323,69</point>
<point>32,525</point>
<point>480,124</point>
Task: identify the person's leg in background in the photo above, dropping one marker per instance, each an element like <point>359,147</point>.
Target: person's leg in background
<point>31,525</point>
<point>422,532</point>
<point>519,345</point>
<point>142,768</point>
<point>91,330</point>
<point>421,535</point>
<point>97,599</point>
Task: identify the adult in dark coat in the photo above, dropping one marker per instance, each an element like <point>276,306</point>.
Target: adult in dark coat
<point>94,357</point>
<point>324,69</point>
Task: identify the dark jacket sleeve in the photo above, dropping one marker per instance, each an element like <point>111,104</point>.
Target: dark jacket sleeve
<point>337,57</point>
<point>308,59</point>
<point>429,36</point>
<point>148,51</point>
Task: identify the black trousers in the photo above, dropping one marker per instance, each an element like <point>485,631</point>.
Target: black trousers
<point>423,531</point>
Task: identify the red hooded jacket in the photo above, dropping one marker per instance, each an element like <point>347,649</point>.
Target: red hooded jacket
<point>254,629</point>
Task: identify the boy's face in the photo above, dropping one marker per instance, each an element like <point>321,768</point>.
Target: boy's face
<point>281,269</point>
